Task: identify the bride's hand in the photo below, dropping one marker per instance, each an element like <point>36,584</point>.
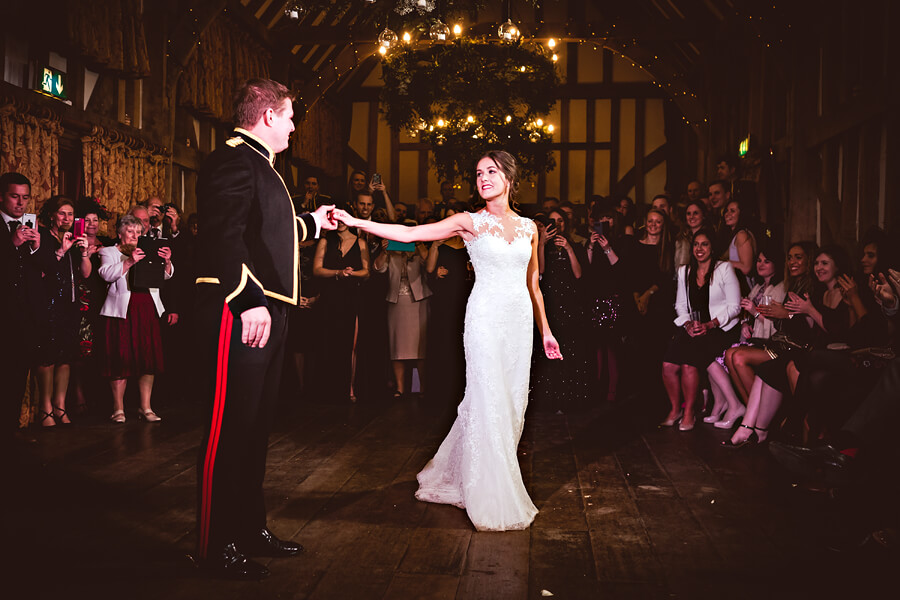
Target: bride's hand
<point>551,348</point>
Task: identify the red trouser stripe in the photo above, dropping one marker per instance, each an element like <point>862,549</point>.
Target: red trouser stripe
<point>215,428</point>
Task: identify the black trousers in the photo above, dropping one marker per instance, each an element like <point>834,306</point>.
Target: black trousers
<point>240,386</point>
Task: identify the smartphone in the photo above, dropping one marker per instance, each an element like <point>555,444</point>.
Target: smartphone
<point>401,246</point>
<point>78,228</point>
<point>29,220</point>
<point>599,227</point>
<point>376,177</point>
<point>551,231</point>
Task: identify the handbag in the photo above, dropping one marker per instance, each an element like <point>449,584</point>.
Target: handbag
<point>780,342</point>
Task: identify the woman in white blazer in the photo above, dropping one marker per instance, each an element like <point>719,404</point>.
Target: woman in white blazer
<point>133,340</point>
<point>708,302</point>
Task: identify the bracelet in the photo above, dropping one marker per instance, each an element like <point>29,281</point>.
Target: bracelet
<point>607,250</point>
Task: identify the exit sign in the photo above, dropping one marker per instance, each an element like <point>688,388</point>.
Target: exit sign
<point>744,147</point>
<point>53,83</point>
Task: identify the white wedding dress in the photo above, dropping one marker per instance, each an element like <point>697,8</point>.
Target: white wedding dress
<point>476,467</point>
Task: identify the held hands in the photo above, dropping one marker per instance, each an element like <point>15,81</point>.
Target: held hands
<point>747,304</point>
<point>551,347</point>
<point>696,328</point>
<point>642,301</point>
<point>325,215</point>
<point>256,325</point>
<point>341,215</point>
<point>442,272</point>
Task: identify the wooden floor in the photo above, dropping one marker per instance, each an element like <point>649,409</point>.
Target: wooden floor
<point>627,510</point>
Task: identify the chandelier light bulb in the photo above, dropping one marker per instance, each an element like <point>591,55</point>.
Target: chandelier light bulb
<point>294,11</point>
<point>555,58</point>
<point>470,119</point>
<point>457,29</point>
<point>406,37</point>
<point>539,122</point>
<point>387,38</point>
<point>508,118</point>
<point>441,123</point>
<point>552,43</point>
<point>550,128</point>
<point>508,32</point>
<point>382,50</point>
<point>439,32</point>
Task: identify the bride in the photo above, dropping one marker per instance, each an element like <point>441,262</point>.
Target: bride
<point>476,467</point>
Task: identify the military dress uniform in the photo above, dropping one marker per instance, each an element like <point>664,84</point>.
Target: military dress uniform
<point>248,255</point>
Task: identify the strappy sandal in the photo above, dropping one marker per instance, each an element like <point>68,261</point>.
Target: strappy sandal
<point>62,415</point>
<point>751,439</point>
<point>46,415</point>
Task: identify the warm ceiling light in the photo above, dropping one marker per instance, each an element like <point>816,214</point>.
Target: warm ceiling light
<point>457,30</point>
<point>441,123</point>
<point>550,128</point>
<point>539,122</point>
<point>470,119</point>
<point>406,37</point>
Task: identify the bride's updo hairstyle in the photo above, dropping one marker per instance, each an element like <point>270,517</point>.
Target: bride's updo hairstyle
<point>506,162</point>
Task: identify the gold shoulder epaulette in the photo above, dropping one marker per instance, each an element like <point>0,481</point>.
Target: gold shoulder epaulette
<point>235,141</point>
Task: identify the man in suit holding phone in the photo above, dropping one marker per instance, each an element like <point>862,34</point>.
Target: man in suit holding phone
<point>248,261</point>
<point>20,291</point>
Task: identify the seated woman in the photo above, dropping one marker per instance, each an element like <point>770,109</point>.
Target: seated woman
<point>742,361</point>
<point>822,317</point>
<point>755,328</point>
<point>708,304</point>
<point>133,342</point>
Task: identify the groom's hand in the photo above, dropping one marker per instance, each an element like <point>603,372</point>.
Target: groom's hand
<point>256,324</point>
<point>325,218</point>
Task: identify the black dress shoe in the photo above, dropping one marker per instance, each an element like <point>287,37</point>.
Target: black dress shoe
<point>265,543</point>
<point>230,563</point>
<point>821,463</point>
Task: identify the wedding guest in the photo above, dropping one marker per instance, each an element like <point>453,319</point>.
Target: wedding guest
<point>341,264</point>
<point>408,303</point>
<point>133,342</point>
<point>707,305</point>
<point>58,347</point>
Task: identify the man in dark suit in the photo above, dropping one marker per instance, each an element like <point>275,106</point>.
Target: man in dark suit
<point>247,265</point>
<point>20,292</point>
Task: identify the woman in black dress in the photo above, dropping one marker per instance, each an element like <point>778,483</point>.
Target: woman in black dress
<point>341,264</point>
<point>58,347</point>
<point>450,282</point>
<point>556,384</point>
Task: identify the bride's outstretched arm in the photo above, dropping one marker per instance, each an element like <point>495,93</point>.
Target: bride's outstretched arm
<point>551,346</point>
<point>458,224</point>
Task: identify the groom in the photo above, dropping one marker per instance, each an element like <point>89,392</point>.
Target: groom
<point>248,267</point>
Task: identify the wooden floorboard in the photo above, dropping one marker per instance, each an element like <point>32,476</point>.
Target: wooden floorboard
<point>627,510</point>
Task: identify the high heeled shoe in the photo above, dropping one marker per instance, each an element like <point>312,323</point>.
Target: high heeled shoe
<point>148,415</point>
<point>753,438</point>
<point>118,416</point>
<point>682,426</point>
<point>670,422</point>
<point>44,416</point>
<point>62,414</point>
<point>727,423</point>
<point>713,417</point>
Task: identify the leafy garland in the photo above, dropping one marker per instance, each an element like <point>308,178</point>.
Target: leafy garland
<point>466,97</point>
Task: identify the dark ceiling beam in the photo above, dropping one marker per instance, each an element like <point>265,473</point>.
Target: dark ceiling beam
<point>249,22</point>
<point>366,32</point>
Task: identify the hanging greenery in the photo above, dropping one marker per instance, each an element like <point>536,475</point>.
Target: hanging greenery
<point>466,97</point>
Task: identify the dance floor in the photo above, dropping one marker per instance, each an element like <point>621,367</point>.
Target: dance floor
<point>627,510</point>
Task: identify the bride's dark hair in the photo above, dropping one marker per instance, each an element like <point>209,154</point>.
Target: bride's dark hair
<point>506,162</point>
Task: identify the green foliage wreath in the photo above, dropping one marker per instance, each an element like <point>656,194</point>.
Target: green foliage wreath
<point>466,97</point>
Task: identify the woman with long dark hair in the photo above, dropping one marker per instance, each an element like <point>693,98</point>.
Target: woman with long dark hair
<point>477,467</point>
<point>561,385</point>
<point>707,305</point>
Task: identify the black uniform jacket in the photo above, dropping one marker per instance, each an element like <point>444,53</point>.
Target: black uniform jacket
<point>21,286</point>
<point>249,235</point>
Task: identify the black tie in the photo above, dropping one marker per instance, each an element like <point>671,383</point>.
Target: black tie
<point>154,233</point>
<point>13,225</point>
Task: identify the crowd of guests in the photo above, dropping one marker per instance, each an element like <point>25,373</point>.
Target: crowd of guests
<point>91,312</point>
<point>691,301</point>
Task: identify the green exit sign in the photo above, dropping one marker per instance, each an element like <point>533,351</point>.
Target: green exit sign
<point>53,83</point>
